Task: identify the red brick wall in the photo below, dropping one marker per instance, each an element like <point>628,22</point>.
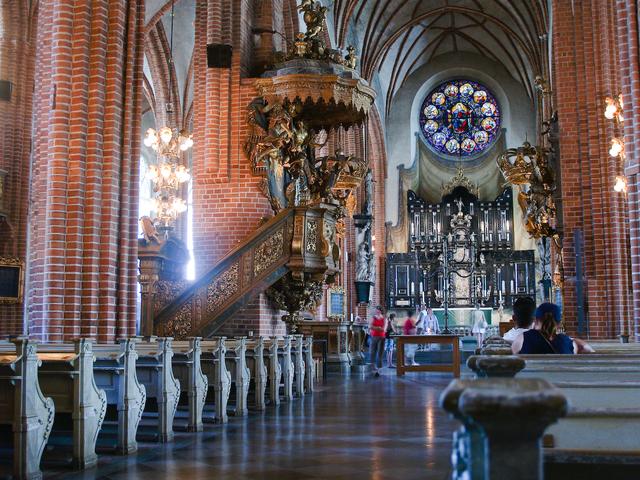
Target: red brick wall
<point>17,54</point>
<point>88,91</point>
<point>586,71</point>
<point>629,71</point>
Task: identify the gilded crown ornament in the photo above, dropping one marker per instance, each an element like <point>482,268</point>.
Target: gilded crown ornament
<point>528,167</point>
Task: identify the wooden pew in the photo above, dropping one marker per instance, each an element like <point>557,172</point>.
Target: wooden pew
<point>115,372</point>
<point>255,358</point>
<point>286,366</point>
<point>188,370</point>
<point>274,371</point>
<point>297,358</point>
<point>66,375</point>
<point>155,372</point>
<point>214,367</point>
<point>307,351</point>
<point>604,403</point>
<point>240,374</point>
<point>23,406</point>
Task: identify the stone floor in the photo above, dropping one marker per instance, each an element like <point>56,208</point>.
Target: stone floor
<point>350,428</point>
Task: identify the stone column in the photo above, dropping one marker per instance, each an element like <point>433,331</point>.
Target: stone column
<point>512,414</point>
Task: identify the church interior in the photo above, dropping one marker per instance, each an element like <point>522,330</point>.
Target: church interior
<point>273,239</point>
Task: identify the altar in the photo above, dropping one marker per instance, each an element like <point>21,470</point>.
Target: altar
<point>461,317</point>
<point>460,253</point>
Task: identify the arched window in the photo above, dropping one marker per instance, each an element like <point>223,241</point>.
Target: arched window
<point>460,118</point>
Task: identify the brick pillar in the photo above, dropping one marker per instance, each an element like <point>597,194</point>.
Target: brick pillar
<point>17,61</point>
<point>585,72</point>
<point>88,92</point>
<point>627,30</point>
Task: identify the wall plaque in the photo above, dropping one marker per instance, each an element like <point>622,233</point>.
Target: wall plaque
<point>11,280</point>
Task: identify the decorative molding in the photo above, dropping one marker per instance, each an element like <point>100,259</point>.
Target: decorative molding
<point>268,252</point>
<point>222,288</point>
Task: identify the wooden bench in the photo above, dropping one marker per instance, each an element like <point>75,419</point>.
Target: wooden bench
<point>274,371</point>
<point>155,371</point>
<point>24,407</point>
<point>240,374</point>
<point>114,371</point>
<point>604,397</point>
<point>257,365</point>
<point>310,364</point>
<point>297,358</point>
<point>214,367</point>
<point>66,375</point>
<point>286,367</point>
<point>187,368</point>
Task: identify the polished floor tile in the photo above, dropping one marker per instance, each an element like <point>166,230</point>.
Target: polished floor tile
<point>350,428</point>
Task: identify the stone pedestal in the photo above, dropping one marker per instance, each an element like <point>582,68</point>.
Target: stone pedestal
<point>511,416</point>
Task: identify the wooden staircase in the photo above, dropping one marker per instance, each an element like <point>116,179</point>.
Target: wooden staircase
<point>298,240</point>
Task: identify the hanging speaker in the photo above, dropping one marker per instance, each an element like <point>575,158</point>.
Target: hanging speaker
<point>219,55</point>
<point>5,90</point>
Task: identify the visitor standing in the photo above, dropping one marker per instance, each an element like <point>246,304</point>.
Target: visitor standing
<point>409,328</point>
<point>377,329</point>
<point>479,325</point>
<point>431,325</point>
<point>389,341</point>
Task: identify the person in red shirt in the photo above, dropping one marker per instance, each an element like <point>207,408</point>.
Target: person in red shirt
<point>409,328</point>
<point>377,328</point>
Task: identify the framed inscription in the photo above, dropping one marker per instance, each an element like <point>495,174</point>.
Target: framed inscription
<point>335,303</point>
<point>11,280</point>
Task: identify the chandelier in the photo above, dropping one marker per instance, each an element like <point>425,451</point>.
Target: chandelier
<point>168,142</point>
<point>169,175</point>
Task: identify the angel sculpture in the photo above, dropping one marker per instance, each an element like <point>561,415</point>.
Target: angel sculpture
<point>314,17</point>
<point>149,230</point>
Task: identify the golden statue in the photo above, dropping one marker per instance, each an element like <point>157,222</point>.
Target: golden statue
<point>528,167</point>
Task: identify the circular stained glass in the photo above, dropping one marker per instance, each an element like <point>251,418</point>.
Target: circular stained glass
<point>460,118</point>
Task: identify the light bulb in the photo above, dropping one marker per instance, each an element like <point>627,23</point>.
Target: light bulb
<point>620,185</point>
<point>616,147</point>
<point>189,142</point>
<point>150,137</point>
<point>183,145</point>
<point>152,173</point>
<point>610,111</point>
<point>165,171</point>
<point>166,134</point>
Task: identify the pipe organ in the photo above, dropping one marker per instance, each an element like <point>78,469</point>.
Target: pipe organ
<point>460,253</point>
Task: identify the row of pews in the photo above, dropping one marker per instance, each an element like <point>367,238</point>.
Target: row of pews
<point>113,395</point>
<point>584,409</point>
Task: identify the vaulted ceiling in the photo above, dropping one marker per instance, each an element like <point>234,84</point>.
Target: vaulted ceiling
<point>396,37</point>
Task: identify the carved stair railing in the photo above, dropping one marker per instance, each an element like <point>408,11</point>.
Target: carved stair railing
<point>298,241</point>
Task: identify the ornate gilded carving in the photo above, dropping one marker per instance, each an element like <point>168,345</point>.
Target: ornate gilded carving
<point>268,252</point>
<point>460,180</point>
<point>294,297</point>
<point>222,288</point>
<point>167,291</point>
<point>179,326</point>
<point>528,167</point>
<point>312,236</point>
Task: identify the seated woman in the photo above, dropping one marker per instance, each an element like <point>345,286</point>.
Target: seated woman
<point>543,337</point>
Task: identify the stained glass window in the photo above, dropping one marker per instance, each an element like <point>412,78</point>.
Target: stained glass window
<point>460,118</point>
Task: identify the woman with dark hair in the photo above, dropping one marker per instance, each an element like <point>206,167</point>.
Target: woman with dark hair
<point>544,337</point>
<point>389,342</point>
